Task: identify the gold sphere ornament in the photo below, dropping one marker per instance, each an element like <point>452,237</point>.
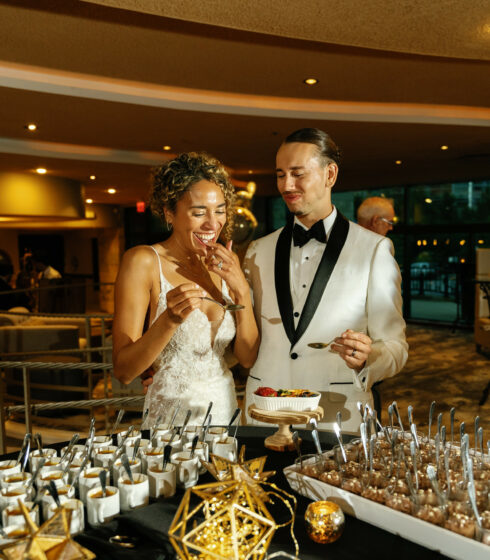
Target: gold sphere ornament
<point>324,522</point>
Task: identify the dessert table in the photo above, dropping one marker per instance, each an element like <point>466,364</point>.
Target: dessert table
<point>148,526</point>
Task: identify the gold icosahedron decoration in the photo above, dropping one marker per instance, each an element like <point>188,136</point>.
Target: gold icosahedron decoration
<point>229,523</point>
<point>50,541</point>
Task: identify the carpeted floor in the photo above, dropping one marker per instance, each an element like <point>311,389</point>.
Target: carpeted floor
<point>442,366</point>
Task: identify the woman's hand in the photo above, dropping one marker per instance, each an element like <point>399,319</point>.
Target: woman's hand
<point>354,348</point>
<point>182,300</point>
<point>226,264</point>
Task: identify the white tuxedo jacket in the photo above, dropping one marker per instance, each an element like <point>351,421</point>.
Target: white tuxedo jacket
<point>356,286</point>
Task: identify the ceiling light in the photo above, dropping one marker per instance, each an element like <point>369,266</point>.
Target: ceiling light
<point>167,148</point>
<point>428,200</point>
<point>111,191</point>
<point>31,126</point>
<point>92,177</point>
<point>310,81</point>
<point>41,170</point>
<point>444,147</point>
<point>250,171</point>
<point>462,242</point>
<point>481,242</point>
<point>88,200</point>
<point>398,161</point>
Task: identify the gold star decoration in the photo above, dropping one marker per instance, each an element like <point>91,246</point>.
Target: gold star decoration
<point>251,471</point>
<point>49,541</point>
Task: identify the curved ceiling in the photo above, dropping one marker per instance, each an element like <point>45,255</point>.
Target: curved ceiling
<point>108,87</point>
<point>451,28</point>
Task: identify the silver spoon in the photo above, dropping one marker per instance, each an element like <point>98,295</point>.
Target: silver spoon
<point>39,442</point>
<point>397,412</point>
<point>174,416</point>
<point>54,492</point>
<point>206,428</point>
<point>70,446</point>
<point>439,422</point>
<point>339,422</point>
<point>145,416</point>
<point>39,466</point>
<point>79,472</point>
<point>431,473</point>
<point>336,429</point>
<point>413,452</point>
<point>413,431</point>
<point>129,431</point>
<point>320,345</point>
<point>127,467</point>
<point>411,489</point>
<point>167,450</point>
<point>208,412</point>
<point>472,496</point>
<point>477,425</point>
<point>316,441</point>
<point>233,418</point>
<point>410,414</point>
<point>364,440</point>
<point>136,447</point>
<point>186,421</point>
<point>193,446</point>
<point>25,443</point>
<point>431,415</point>
<point>451,420</point>
<point>225,306</point>
<point>115,426</point>
<point>297,446</point>
<point>103,482</point>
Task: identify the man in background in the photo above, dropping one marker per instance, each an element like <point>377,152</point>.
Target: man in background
<point>377,214</point>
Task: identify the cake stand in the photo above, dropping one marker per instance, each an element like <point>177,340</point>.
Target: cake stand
<point>282,440</point>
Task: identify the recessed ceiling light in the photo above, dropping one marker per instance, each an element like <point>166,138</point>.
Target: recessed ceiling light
<point>167,148</point>
<point>444,147</point>
<point>92,177</point>
<point>428,200</point>
<point>88,200</point>
<point>41,170</point>
<point>111,191</point>
<point>310,81</point>
<point>250,171</point>
<point>398,161</point>
<point>31,126</point>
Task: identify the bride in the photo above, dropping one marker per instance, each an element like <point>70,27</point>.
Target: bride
<point>185,336</point>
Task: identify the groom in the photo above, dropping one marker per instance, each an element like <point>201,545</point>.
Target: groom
<point>322,278</point>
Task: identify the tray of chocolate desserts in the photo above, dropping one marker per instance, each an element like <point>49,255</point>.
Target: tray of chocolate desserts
<point>431,488</point>
<point>108,474</point>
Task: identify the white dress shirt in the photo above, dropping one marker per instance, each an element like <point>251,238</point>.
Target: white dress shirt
<point>303,264</point>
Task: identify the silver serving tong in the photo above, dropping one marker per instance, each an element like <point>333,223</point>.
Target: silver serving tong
<point>336,429</point>
<point>115,426</point>
<point>103,482</point>
<point>127,467</point>
<point>297,446</point>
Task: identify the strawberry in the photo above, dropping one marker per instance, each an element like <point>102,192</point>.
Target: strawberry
<point>266,392</point>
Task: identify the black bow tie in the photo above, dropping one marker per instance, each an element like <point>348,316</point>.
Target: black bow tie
<point>301,236</point>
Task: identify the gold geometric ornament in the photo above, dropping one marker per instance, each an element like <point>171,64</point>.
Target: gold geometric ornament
<point>228,523</point>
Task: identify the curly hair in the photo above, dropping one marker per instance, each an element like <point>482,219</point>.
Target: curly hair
<point>175,177</point>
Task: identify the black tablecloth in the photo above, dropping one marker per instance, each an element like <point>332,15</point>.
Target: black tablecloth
<point>149,525</point>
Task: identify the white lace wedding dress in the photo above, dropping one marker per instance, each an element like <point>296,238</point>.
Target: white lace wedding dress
<point>192,368</point>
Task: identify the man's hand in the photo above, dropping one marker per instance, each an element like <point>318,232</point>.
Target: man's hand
<point>147,379</point>
<point>354,348</point>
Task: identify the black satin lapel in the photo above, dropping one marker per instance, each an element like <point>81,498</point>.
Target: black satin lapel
<point>281,276</point>
<point>330,256</point>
